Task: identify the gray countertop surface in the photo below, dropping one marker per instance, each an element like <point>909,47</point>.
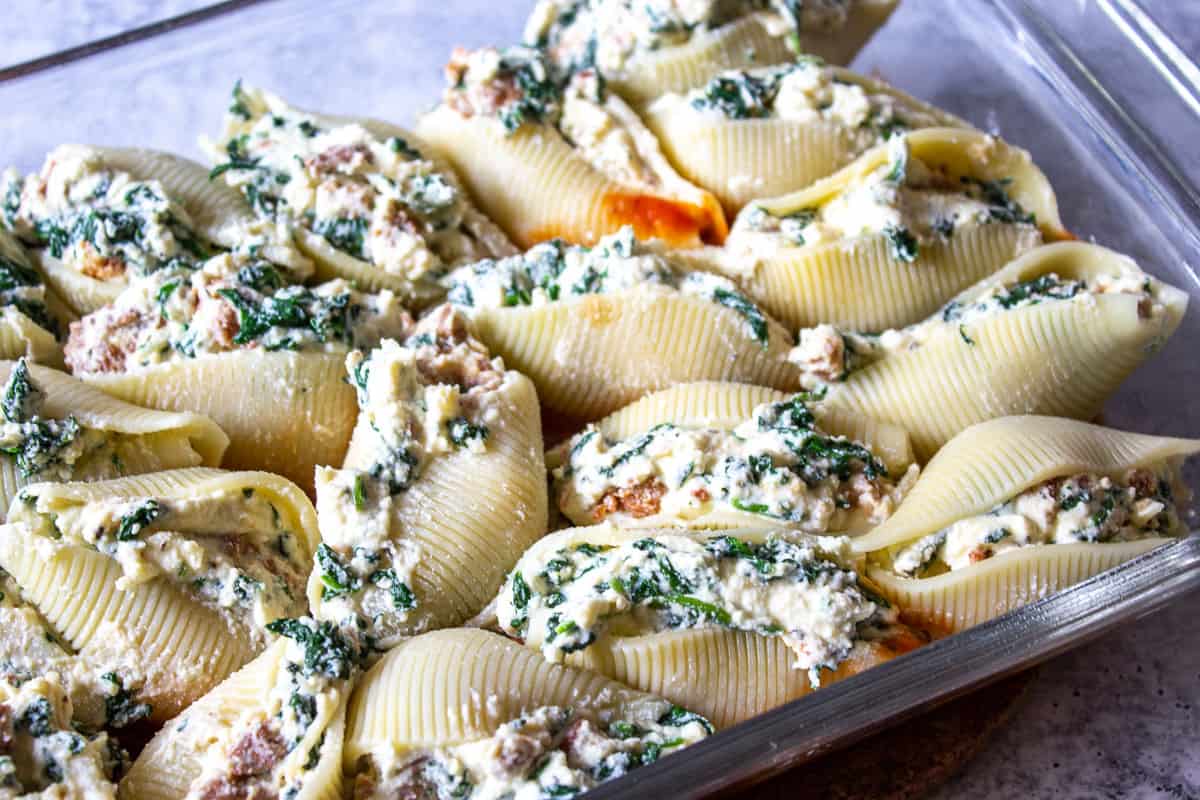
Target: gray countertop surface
<point>1118,718</point>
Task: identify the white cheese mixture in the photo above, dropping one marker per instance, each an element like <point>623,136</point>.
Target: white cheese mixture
<point>800,587</point>
<point>101,222</point>
<point>1087,507</point>
<point>826,354</point>
<point>610,35</point>
<point>233,302</point>
<point>904,199</point>
<point>379,200</point>
<point>777,463</point>
<point>229,550</point>
<point>556,271</point>
<point>437,394</point>
<point>549,752</point>
<point>42,754</point>
<point>22,291</point>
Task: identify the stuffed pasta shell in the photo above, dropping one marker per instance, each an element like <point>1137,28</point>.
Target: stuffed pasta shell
<point>272,729</point>
<point>104,217</point>
<point>1014,509</point>
<point>442,489</point>
<point>768,131</point>
<point>363,198</point>
<point>460,713</point>
<point>888,239</point>
<point>548,159</point>
<point>56,428</point>
<point>155,587</point>
<point>727,455</point>
<point>234,341</point>
<point>596,328</point>
<point>1054,332</point>
<point>644,49</point>
<point>31,318</point>
<point>43,754</point>
<point>753,618</point>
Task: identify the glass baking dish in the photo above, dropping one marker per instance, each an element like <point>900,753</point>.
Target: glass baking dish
<point>1104,100</point>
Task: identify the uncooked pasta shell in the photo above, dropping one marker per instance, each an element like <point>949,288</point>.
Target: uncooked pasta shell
<point>1061,358</point>
<point>149,440</point>
<point>992,462</point>
<point>740,160</point>
<point>455,686</point>
<point>284,412</point>
<point>471,515</point>
<point>590,356</point>
<point>175,757</point>
<point>954,601</point>
<point>537,187</point>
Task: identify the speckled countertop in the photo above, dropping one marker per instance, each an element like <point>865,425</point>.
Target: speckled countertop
<point>1119,718</point>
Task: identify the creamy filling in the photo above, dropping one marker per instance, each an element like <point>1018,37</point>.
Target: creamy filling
<point>549,752</point>
<point>437,394</point>
<point>777,464</point>
<point>905,200</point>
<point>230,551</point>
<point>234,302</point>
<point>795,586</point>
<point>1082,508</point>
<point>22,289</point>
<point>609,35</point>
<point>555,271</point>
<point>101,222</point>
<point>826,354</point>
<point>376,199</point>
<point>42,751</point>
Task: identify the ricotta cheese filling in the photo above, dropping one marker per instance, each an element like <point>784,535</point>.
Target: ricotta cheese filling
<point>806,91</point>
<point>906,200</point>
<point>377,199</point>
<point>550,751</point>
<point>438,394</point>
<point>233,302</point>
<point>777,464</point>
<point>800,587</point>
<point>826,354</point>
<point>23,292</point>
<point>39,446</point>
<point>556,271</point>
<point>43,754</point>
<point>1081,508</point>
<point>100,222</point>
<point>610,35</point>
<point>271,750</point>
<point>228,550</point>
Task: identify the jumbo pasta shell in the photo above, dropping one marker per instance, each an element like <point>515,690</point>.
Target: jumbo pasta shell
<point>537,187</point>
<point>182,648</point>
<point>454,686</point>
<point>956,600</point>
<point>592,355</point>
<point>855,283</point>
<point>471,515</point>
<point>148,440</point>
<point>21,337</point>
<point>1055,358</point>
<point>284,412</point>
<point>741,160</point>
<point>996,460</point>
<point>175,758</point>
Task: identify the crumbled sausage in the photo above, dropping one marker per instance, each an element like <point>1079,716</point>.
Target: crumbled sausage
<point>1144,482</point>
<point>454,357</point>
<point>484,98</point>
<point>979,554</point>
<point>518,752</point>
<point>642,500</point>
<point>102,268</point>
<point>103,340</point>
<point>347,156</point>
<point>257,752</point>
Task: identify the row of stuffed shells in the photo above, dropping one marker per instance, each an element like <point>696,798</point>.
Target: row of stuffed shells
<point>1055,332</point>
<point>1006,484</point>
<point>713,455</point>
<point>728,624</point>
<point>154,587</point>
<point>56,427</point>
<point>32,316</point>
<point>443,486</point>
<point>644,50</point>
<point>889,238</point>
<point>364,199</point>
